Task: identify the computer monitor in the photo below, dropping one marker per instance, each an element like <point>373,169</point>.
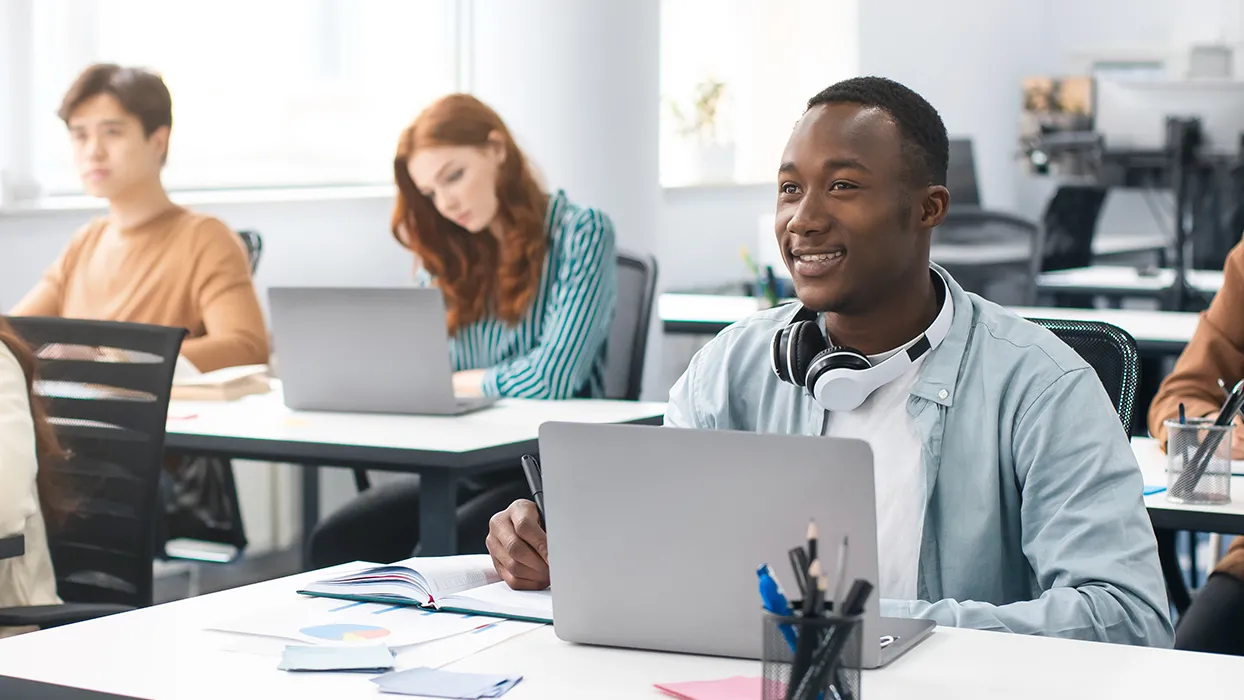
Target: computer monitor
<point>1131,114</point>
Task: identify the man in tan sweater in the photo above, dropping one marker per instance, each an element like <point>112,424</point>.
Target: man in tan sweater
<point>148,260</point>
<point>1215,622</point>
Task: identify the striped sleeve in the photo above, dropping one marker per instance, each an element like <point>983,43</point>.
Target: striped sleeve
<point>576,327</point>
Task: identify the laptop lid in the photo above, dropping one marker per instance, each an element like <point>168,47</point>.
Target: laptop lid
<point>655,533</point>
<point>382,350</point>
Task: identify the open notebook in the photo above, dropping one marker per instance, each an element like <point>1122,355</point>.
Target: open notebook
<point>462,584</point>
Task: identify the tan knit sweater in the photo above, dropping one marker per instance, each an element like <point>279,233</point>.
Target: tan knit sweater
<point>178,269</point>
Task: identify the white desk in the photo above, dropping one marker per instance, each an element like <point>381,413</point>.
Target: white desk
<point>164,652</point>
<point>1227,519</point>
<point>1156,332</point>
<point>1121,281</point>
<point>442,449</point>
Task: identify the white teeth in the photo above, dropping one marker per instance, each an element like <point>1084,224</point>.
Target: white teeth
<point>820,257</point>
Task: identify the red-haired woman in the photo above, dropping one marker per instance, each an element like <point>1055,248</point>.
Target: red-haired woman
<point>530,286</point>
<point>26,440</point>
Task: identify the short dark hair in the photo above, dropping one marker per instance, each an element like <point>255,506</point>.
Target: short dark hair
<point>141,92</point>
<point>925,147</point>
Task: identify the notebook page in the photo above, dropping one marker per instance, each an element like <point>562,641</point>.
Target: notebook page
<point>499,598</point>
<point>443,576</point>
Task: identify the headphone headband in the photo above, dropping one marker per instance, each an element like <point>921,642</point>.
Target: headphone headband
<point>841,378</point>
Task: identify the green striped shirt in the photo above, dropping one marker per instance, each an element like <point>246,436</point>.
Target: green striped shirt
<point>557,350</point>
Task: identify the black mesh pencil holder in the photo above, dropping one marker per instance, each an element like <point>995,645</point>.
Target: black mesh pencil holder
<point>827,669</point>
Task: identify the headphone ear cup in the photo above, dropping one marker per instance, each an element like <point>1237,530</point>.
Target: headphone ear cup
<point>836,357</point>
<point>808,345</point>
<point>777,359</point>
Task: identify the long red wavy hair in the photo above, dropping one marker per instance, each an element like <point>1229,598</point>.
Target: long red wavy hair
<point>50,487</point>
<point>478,273</point>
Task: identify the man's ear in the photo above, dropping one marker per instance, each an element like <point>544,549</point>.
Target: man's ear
<point>934,206</point>
<point>159,138</point>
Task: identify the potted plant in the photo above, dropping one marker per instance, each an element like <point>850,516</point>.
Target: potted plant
<point>712,155</point>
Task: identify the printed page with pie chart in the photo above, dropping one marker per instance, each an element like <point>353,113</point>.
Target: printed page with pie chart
<point>326,621</point>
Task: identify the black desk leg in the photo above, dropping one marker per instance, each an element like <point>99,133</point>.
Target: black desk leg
<point>310,505</point>
<point>438,514</point>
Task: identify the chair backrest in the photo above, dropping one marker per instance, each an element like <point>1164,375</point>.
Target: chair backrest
<point>961,173</point>
<point>1068,225</point>
<point>1110,351</point>
<point>106,387</point>
<point>254,247</point>
<point>628,337</point>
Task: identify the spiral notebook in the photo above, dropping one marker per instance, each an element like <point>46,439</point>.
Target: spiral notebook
<point>462,584</point>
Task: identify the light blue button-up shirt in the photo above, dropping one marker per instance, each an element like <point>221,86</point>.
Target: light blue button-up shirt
<point>1035,521</point>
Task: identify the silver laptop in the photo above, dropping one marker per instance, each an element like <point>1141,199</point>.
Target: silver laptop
<point>365,350</point>
<point>655,533</point>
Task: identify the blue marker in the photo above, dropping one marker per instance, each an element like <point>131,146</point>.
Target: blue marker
<point>775,601</point>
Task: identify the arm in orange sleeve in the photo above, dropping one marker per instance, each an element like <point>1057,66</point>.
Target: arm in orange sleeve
<point>1215,352</point>
<point>235,333</point>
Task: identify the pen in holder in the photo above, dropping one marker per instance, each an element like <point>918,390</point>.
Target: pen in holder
<point>833,669</point>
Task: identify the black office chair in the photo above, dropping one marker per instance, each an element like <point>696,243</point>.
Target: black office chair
<point>1110,351</point>
<point>254,247</point>
<point>1112,354</point>
<point>628,336</point>
<point>1066,238</point>
<point>107,387</point>
<point>971,225</point>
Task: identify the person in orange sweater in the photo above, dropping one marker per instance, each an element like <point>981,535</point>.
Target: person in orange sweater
<point>1215,620</point>
<point>148,260</point>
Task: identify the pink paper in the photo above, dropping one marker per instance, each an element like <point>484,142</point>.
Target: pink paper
<point>737,688</point>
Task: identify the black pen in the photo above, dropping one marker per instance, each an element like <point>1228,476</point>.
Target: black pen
<point>812,538</point>
<point>807,640</point>
<point>799,562</point>
<point>531,468</point>
<point>827,656</point>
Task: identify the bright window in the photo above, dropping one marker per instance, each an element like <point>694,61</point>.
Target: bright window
<point>265,92</point>
<point>735,75</point>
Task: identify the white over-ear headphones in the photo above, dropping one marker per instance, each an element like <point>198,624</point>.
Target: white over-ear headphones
<point>841,378</point>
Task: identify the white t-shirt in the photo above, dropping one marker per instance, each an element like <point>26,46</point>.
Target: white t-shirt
<point>898,472</point>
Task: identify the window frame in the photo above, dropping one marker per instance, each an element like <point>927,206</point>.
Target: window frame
<point>19,185</point>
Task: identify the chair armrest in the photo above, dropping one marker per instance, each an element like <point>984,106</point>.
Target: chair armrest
<point>987,216</point>
<point>45,616</point>
<point>14,546</point>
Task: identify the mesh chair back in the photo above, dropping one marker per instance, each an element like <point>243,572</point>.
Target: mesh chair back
<point>106,387</point>
<point>1111,352</point>
<point>254,247</point>
<point>628,336</point>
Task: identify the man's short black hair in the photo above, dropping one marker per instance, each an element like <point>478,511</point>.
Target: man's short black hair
<point>925,148</point>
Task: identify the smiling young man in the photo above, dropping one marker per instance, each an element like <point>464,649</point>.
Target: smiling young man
<point>148,260</point>
<point>1008,497</point>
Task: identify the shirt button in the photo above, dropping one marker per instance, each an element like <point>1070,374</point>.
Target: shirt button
<point>943,394</point>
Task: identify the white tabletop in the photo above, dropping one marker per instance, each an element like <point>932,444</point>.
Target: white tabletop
<point>1147,327</point>
<point>166,652</point>
<point>265,418</point>
<point>1112,278</point>
<point>1227,518</point>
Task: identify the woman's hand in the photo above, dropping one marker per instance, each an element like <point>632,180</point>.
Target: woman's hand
<point>469,382</point>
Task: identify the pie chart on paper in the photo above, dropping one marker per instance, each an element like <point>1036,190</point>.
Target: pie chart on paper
<point>346,632</point>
